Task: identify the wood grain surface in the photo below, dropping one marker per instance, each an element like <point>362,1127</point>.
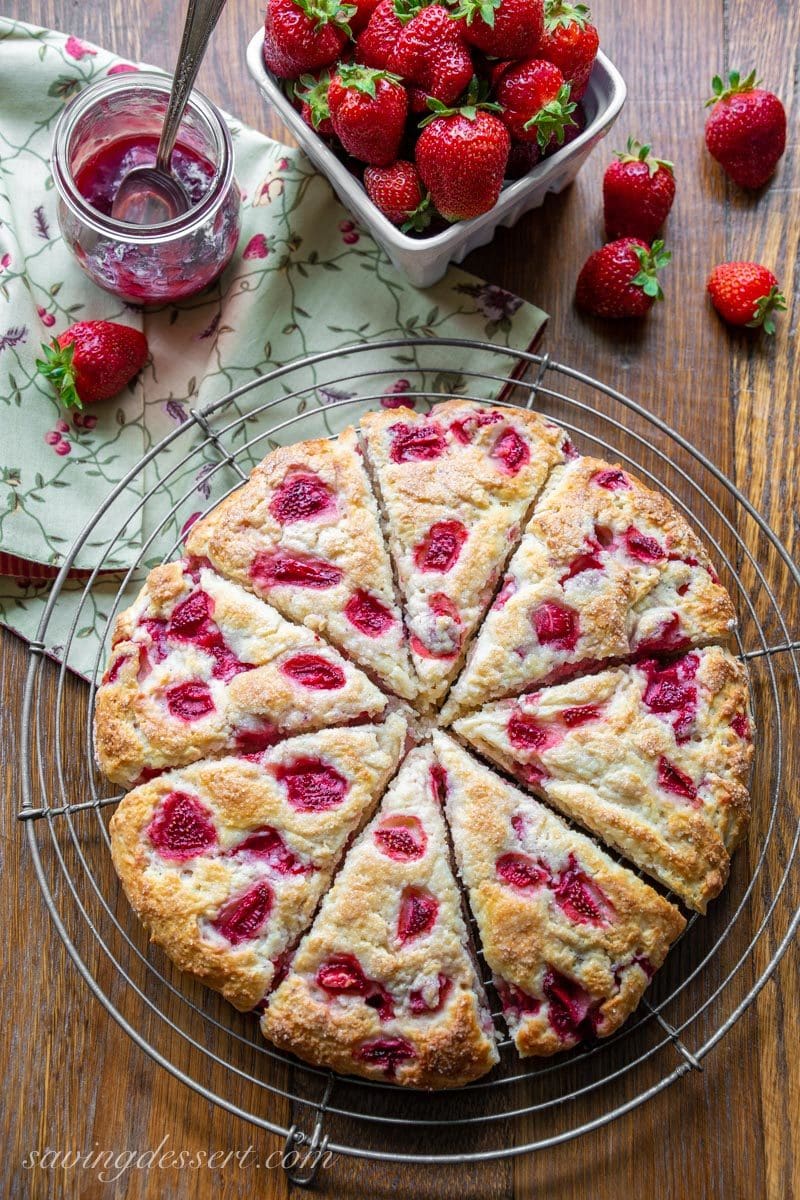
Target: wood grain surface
<point>73,1078</point>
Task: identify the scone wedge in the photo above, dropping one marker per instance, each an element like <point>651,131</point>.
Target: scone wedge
<point>304,534</point>
<point>606,569</point>
<point>571,937</point>
<point>456,486</point>
<point>199,667</point>
<point>383,984</point>
<point>225,861</point>
<point>653,757</point>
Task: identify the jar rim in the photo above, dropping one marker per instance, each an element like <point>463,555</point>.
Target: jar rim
<point>141,81</point>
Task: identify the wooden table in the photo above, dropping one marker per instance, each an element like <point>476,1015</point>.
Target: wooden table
<point>73,1077</point>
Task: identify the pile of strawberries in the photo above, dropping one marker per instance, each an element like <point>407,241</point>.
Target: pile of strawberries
<point>439,103</point>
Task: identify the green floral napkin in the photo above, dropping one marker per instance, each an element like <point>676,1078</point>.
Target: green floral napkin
<point>307,278</point>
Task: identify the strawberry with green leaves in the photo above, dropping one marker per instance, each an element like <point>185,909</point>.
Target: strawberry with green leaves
<point>312,92</point>
<point>462,155</point>
<point>368,110</point>
<point>374,45</point>
<point>431,55</point>
<point>746,129</point>
<point>638,191</point>
<point>502,28</point>
<point>304,35</point>
<point>398,192</point>
<point>92,361</point>
<point>571,42</point>
<point>536,102</point>
<point>745,293</point>
<point>621,279</point>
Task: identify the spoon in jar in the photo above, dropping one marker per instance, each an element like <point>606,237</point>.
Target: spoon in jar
<point>152,195</point>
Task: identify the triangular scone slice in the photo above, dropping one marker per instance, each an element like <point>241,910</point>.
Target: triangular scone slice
<point>606,568</point>
<point>225,861</point>
<point>383,985</point>
<point>571,937</point>
<point>199,666</point>
<point>456,486</point>
<point>304,534</point>
<point>653,758</point>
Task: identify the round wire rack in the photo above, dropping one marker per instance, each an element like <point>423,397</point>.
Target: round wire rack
<point>713,974</point>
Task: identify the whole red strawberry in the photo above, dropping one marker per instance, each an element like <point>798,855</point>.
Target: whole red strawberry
<point>571,42</point>
<point>364,10</point>
<point>638,191</point>
<point>745,293</point>
<point>502,28</point>
<point>304,35</point>
<point>746,129</point>
<point>376,42</point>
<point>431,53</point>
<point>312,92</point>
<point>462,155</point>
<point>92,360</point>
<point>398,192</point>
<point>621,279</point>
<point>536,102</point>
<point>368,110</point>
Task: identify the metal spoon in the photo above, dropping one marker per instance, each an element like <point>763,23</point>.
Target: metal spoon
<point>152,195</point>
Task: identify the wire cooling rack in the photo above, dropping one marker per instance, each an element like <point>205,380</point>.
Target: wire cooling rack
<point>710,978</point>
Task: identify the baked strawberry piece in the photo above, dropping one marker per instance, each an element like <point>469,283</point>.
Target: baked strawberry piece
<point>225,861</point>
<point>607,568</point>
<point>199,667</point>
<point>303,533</point>
<point>571,937</point>
<point>456,486</point>
<point>383,985</point>
<point>653,758</point>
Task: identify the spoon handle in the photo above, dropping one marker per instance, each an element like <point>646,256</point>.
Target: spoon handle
<point>201,19</point>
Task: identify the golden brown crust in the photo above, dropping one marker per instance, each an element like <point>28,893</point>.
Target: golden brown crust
<point>359,918</point>
<point>583,552</point>
<point>543,939</point>
<point>345,537</point>
<point>134,727</point>
<point>608,773</point>
<point>468,482</point>
<point>178,899</point>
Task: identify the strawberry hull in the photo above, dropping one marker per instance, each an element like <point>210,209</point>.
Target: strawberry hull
<point>424,260</point>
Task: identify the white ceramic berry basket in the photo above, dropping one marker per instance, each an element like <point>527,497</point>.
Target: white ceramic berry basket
<point>425,260</point>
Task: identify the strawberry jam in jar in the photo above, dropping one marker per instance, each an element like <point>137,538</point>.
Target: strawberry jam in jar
<point>108,129</point>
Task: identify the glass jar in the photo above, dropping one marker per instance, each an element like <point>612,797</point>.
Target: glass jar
<point>106,129</point>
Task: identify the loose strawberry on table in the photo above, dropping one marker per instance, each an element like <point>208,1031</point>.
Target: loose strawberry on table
<point>304,35</point>
<point>462,155</point>
<point>745,293</point>
<point>571,42</point>
<point>535,101</point>
<point>502,28</point>
<point>368,110</point>
<point>92,360</point>
<point>746,129</point>
<point>638,192</point>
<point>398,192</point>
<point>621,279</point>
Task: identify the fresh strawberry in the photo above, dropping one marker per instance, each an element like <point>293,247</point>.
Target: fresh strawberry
<point>364,10</point>
<point>536,102</point>
<point>571,42</point>
<point>462,155</point>
<point>377,41</point>
<point>304,35</point>
<point>92,361</point>
<point>621,279</point>
<point>638,191</point>
<point>746,129</point>
<point>431,53</point>
<point>398,192</point>
<point>524,156</point>
<point>368,110</point>
<point>502,28</point>
<point>745,293</point>
<point>312,92</point>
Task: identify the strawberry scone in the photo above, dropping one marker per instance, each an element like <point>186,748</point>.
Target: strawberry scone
<point>607,568</point>
<point>571,937</point>
<point>225,861</point>
<point>303,533</point>
<point>456,486</point>
<point>383,985</point>
<point>198,666</point>
<point>654,758</point>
